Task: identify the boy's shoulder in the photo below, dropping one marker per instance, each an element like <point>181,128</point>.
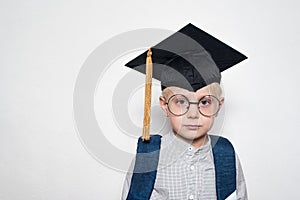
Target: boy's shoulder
<point>220,140</point>
<point>218,143</point>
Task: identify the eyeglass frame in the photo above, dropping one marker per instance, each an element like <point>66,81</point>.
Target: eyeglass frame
<point>197,103</point>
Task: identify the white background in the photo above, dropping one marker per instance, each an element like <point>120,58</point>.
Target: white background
<point>45,43</point>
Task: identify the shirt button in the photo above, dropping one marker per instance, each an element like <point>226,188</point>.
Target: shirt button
<point>191,196</point>
<point>192,167</point>
<point>190,148</point>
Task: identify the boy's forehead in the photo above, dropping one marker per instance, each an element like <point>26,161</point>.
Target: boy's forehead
<point>177,90</point>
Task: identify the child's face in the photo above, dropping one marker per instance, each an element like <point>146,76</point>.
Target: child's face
<point>191,126</point>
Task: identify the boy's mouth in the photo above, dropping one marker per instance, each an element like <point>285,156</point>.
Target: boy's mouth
<point>193,126</point>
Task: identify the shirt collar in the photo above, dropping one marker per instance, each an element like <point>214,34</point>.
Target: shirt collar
<point>174,148</point>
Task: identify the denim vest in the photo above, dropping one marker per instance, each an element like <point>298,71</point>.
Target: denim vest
<point>145,169</point>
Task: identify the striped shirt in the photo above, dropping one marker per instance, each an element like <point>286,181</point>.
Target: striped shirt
<point>187,173</point>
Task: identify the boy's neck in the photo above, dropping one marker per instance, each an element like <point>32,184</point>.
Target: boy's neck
<point>196,143</point>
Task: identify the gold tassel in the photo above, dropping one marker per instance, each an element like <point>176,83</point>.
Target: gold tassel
<point>148,94</point>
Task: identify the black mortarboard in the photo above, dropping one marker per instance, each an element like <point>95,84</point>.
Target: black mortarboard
<point>189,58</point>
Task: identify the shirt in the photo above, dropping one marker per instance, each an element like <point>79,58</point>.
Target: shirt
<point>187,173</point>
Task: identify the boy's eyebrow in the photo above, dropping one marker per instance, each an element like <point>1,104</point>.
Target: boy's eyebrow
<point>188,96</point>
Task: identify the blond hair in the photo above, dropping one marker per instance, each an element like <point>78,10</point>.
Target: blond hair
<point>214,88</point>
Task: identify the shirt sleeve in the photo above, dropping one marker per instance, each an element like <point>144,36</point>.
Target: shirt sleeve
<point>126,185</point>
<point>241,190</point>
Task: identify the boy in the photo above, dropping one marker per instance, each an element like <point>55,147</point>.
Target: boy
<point>187,163</point>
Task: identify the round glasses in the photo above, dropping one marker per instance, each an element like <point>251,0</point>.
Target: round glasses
<point>179,105</point>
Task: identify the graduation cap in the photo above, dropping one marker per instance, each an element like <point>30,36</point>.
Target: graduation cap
<point>189,59</point>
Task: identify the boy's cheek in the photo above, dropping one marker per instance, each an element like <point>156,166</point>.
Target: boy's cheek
<point>176,123</point>
<point>208,123</point>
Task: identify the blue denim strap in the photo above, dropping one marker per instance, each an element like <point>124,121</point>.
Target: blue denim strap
<point>225,167</point>
<point>145,169</point>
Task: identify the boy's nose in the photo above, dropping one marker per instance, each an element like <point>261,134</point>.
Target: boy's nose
<point>193,111</point>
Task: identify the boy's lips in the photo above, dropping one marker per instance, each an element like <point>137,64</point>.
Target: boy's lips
<point>193,126</point>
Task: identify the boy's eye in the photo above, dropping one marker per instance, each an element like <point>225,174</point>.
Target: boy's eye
<point>181,101</point>
<point>205,102</point>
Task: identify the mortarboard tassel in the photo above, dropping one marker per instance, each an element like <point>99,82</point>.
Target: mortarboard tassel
<point>148,94</point>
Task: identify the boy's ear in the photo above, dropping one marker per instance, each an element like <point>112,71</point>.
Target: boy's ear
<point>221,104</point>
<point>163,105</point>
<point>222,101</point>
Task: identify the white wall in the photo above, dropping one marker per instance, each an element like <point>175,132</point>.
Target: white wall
<point>44,45</point>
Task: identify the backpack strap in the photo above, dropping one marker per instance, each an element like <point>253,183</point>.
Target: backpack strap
<point>145,169</point>
<point>225,167</point>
